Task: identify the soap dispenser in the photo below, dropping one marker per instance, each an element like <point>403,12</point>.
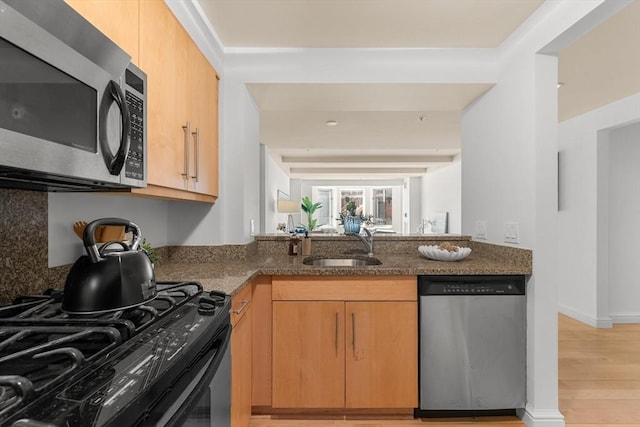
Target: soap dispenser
<point>306,244</point>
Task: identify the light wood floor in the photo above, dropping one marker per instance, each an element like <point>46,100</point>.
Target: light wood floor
<point>599,384</point>
<point>599,374</point>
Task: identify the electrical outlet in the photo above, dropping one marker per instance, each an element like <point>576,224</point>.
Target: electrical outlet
<point>481,230</point>
<point>512,232</point>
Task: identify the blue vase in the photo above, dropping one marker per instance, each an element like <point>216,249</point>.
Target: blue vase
<point>352,224</point>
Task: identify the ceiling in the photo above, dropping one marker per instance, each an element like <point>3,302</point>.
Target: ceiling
<point>400,130</point>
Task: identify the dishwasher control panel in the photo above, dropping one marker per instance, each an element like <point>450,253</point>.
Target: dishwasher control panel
<point>471,285</point>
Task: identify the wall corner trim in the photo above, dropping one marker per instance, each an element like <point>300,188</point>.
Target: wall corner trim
<point>542,418</point>
<point>600,322</point>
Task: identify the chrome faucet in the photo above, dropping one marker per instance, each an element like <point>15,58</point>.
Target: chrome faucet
<point>366,241</point>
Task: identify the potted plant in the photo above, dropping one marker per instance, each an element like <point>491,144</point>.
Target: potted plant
<point>352,216</point>
<point>151,252</point>
<point>309,208</point>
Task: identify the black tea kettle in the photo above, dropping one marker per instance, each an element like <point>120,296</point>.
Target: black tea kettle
<point>108,280</point>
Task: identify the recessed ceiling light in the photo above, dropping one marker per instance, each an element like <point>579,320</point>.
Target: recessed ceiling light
<point>331,123</point>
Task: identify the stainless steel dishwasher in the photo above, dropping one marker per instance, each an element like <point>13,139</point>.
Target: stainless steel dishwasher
<point>472,345</point>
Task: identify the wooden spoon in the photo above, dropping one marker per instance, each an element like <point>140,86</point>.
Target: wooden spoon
<point>111,233</point>
<point>103,233</point>
<point>79,227</point>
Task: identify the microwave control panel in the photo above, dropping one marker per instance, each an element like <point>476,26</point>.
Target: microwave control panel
<point>134,166</point>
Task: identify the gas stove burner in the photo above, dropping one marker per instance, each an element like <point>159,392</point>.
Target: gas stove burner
<point>59,369</point>
<point>211,303</point>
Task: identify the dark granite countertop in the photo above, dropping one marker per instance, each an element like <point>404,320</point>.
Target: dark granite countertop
<point>230,276</point>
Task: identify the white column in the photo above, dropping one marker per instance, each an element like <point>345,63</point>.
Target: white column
<point>542,311</point>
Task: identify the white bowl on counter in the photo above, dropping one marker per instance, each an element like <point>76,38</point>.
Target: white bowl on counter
<point>435,253</point>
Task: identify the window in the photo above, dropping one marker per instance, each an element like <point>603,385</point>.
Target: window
<point>348,196</point>
<point>324,212</point>
<point>371,201</point>
<point>382,206</point>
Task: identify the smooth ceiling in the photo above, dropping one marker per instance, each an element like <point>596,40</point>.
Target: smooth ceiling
<point>601,67</point>
<point>379,126</point>
<point>366,23</point>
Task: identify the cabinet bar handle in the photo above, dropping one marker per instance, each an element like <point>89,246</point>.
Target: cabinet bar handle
<point>196,146</point>
<point>245,303</point>
<point>336,333</point>
<point>353,332</point>
<point>187,131</point>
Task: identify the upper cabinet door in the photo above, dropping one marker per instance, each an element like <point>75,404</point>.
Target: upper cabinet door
<point>163,56</point>
<point>117,19</point>
<point>203,104</point>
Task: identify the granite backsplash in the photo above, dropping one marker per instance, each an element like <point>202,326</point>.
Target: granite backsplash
<point>24,247</point>
<point>24,243</point>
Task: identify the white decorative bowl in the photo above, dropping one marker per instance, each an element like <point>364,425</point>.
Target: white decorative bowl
<point>435,253</point>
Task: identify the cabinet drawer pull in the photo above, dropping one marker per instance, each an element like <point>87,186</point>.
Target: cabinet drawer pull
<point>245,303</point>
<point>187,132</point>
<point>196,147</point>
<point>353,332</point>
<point>337,329</point>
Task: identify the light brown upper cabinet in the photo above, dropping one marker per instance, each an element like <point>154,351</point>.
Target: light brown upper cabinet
<point>183,109</point>
<point>182,95</point>
<point>117,19</point>
<point>203,90</point>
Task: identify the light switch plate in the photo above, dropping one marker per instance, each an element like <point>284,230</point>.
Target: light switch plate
<point>512,232</point>
<point>481,230</point>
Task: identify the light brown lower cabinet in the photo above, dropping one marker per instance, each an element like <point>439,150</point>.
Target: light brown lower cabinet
<point>261,313</point>
<point>308,354</point>
<point>381,354</point>
<point>348,353</point>
<point>241,351</point>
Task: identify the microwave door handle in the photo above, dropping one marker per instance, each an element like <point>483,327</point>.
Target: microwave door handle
<point>115,164</point>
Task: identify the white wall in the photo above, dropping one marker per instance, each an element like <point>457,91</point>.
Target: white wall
<point>499,187</point>
<point>275,179</point>
<point>442,192</point>
<point>583,275</point>
<point>66,208</point>
<point>415,203</point>
<point>624,224</point>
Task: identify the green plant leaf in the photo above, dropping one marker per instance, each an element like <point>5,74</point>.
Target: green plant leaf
<point>309,208</point>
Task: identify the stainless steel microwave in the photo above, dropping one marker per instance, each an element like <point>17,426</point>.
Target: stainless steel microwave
<point>72,106</point>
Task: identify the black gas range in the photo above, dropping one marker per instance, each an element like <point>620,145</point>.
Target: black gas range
<point>160,363</point>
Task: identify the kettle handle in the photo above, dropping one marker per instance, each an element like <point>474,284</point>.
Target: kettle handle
<point>89,240</point>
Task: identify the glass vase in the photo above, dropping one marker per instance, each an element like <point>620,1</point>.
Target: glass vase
<point>352,224</point>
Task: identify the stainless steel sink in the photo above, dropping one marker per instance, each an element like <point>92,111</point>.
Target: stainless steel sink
<point>341,262</point>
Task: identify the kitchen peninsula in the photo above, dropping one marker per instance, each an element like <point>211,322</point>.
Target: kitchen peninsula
<point>329,306</point>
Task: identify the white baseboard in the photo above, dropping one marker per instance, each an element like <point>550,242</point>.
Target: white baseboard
<point>625,317</point>
<point>605,322</point>
<point>542,418</point>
